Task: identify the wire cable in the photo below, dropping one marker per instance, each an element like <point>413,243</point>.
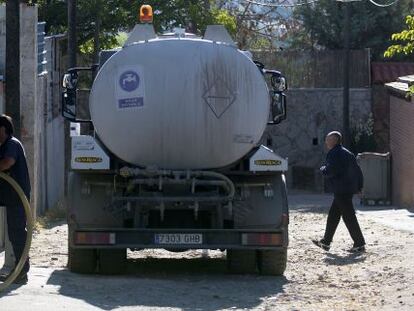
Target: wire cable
<point>383,5</point>
<point>273,5</point>
<point>29,220</point>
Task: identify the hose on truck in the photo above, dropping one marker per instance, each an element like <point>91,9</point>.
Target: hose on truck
<point>29,227</point>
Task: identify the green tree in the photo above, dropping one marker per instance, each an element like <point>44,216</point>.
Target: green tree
<point>406,37</point>
<point>101,21</point>
<point>371,26</point>
<point>406,42</point>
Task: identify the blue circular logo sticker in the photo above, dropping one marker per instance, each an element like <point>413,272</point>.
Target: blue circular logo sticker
<point>129,81</point>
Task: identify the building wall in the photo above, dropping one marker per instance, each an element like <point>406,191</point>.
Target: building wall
<point>402,150</point>
<point>311,114</point>
<point>1,97</point>
<point>28,87</point>
<point>2,39</point>
<point>381,115</point>
<point>42,126</point>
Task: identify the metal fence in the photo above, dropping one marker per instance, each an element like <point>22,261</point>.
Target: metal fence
<point>318,69</point>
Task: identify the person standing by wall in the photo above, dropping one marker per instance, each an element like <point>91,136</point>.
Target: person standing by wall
<point>13,162</point>
<point>343,178</point>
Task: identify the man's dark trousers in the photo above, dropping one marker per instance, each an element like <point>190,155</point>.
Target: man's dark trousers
<point>342,206</point>
<point>16,223</point>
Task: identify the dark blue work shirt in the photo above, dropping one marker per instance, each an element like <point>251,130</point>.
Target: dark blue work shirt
<point>13,148</point>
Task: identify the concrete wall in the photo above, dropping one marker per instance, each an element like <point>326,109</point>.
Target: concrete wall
<point>2,39</point>
<point>42,126</point>
<point>2,97</point>
<point>312,113</point>
<point>402,150</point>
<point>50,137</point>
<point>28,86</point>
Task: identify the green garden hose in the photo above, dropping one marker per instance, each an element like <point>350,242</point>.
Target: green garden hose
<point>29,226</point>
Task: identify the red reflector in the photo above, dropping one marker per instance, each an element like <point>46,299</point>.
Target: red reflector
<point>94,238</point>
<point>262,239</point>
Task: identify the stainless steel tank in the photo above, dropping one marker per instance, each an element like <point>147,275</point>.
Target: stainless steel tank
<point>179,104</point>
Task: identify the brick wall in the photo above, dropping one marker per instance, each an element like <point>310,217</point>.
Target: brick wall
<point>402,150</point>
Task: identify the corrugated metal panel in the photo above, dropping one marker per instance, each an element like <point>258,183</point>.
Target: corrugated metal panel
<point>318,69</point>
<point>390,71</point>
<point>376,170</point>
<point>41,51</point>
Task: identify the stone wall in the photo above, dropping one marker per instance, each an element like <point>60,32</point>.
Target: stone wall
<point>311,114</point>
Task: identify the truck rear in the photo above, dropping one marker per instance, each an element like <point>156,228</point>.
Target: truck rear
<point>174,160</point>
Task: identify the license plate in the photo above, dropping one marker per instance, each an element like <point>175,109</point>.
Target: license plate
<point>178,238</point>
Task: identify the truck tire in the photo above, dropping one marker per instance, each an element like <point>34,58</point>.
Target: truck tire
<point>241,261</point>
<point>82,260</point>
<point>112,261</point>
<point>272,262</point>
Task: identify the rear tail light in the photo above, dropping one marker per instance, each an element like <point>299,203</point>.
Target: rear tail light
<point>262,239</point>
<point>285,219</point>
<point>94,238</point>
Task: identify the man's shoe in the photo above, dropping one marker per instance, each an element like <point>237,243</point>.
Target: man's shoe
<point>321,244</point>
<point>357,249</point>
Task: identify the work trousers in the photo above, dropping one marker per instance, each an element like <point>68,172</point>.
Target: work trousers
<point>16,222</point>
<point>342,206</point>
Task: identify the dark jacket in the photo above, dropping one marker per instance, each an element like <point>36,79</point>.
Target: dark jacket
<point>342,172</point>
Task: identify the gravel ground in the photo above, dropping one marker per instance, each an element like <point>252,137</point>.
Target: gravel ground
<point>380,279</point>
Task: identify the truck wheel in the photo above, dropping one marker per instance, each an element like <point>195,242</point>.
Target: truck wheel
<point>82,260</point>
<point>272,262</point>
<point>241,261</point>
<point>112,261</point>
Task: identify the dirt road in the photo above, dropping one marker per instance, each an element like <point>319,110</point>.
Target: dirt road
<point>381,279</point>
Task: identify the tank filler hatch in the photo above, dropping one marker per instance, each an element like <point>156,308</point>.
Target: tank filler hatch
<point>141,32</point>
<point>218,33</point>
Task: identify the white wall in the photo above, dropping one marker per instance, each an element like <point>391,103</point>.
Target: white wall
<point>2,39</point>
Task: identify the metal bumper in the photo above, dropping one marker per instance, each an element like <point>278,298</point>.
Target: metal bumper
<point>211,238</point>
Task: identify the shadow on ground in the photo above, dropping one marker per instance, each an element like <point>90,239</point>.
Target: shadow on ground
<point>338,260</point>
<point>187,284</point>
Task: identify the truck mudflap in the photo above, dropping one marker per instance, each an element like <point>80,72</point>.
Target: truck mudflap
<point>180,239</point>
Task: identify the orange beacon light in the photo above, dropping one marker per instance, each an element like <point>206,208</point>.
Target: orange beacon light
<point>145,14</point>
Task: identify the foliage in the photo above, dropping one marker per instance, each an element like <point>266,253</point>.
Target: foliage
<point>222,17</point>
<point>370,26</point>
<point>362,136</point>
<point>406,47</point>
<point>117,16</point>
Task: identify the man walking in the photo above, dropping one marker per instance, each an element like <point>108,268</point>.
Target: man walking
<point>13,162</point>
<point>343,178</point>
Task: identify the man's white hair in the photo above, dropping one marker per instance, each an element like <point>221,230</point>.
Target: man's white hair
<point>337,135</point>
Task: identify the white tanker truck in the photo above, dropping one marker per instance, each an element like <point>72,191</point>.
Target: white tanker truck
<point>174,161</point>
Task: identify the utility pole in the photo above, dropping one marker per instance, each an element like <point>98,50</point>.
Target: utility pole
<point>345,109</point>
<point>345,97</point>
<point>72,41</point>
<point>13,63</point>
